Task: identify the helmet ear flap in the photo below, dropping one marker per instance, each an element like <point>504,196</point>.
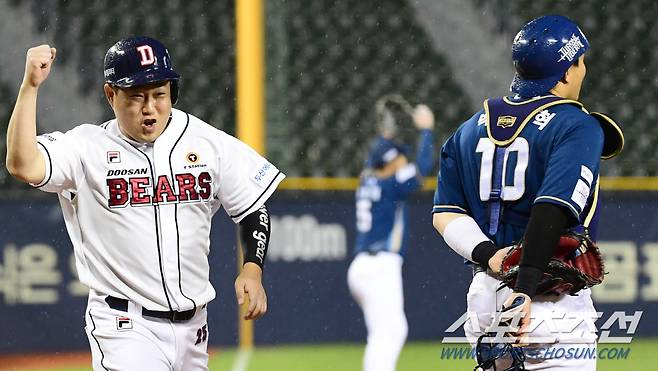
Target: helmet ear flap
<point>174,85</point>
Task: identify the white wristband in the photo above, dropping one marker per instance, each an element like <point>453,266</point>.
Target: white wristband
<point>463,234</point>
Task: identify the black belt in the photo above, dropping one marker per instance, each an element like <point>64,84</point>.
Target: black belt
<point>122,305</point>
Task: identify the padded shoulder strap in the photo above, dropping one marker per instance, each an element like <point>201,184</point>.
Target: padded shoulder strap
<point>613,141</point>
<point>506,119</point>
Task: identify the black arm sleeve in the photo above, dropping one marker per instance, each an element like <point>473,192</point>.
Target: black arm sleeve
<point>547,223</point>
<point>255,236</point>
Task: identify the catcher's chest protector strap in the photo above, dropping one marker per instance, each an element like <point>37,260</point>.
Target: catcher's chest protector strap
<point>613,141</point>
<point>506,119</point>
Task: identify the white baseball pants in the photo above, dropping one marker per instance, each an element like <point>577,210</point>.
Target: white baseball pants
<point>129,341</point>
<point>375,282</point>
<point>560,322</point>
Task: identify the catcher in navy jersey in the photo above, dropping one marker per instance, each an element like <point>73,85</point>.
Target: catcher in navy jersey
<point>525,170</point>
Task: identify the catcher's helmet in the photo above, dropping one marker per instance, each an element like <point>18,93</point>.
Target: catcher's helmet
<point>543,51</point>
<point>137,61</point>
<point>489,352</point>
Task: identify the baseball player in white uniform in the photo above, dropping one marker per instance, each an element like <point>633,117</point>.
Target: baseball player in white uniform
<point>138,194</point>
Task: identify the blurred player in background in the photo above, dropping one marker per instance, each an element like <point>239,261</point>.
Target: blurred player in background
<point>138,194</point>
<point>526,168</point>
<point>375,274</point>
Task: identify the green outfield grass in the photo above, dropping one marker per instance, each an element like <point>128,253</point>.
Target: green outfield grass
<point>643,355</point>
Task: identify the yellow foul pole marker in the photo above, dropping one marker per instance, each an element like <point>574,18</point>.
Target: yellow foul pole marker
<point>250,107</point>
<point>250,73</point>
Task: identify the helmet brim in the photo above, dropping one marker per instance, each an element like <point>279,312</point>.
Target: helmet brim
<point>146,77</point>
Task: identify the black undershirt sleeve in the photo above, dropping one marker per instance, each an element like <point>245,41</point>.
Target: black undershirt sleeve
<point>547,223</point>
<point>255,236</point>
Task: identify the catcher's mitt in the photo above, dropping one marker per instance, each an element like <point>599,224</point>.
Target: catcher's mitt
<point>575,265</point>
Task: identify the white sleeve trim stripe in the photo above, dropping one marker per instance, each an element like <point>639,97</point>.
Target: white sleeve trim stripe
<point>448,207</point>
<point>573,209</point>
<point>279,176</point>
<point>49,166</point>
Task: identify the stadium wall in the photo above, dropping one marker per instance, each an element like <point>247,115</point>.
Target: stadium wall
<point>42,304</point>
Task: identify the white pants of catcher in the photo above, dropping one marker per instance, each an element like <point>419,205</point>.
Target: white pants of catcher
<point>375,282</point>
<point>129,341</point>
<point>560,319</point>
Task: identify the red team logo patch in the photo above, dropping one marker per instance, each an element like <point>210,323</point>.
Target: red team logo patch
<point>146,55</point>
<point>113,157</point>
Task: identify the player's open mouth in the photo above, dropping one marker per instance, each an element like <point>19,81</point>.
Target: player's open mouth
<point>149,122</point>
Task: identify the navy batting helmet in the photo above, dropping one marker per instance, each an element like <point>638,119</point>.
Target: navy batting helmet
<point>140,60</point>
<point>543,51</point>
<point>384,151</point>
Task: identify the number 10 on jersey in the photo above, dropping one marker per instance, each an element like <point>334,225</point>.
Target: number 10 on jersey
<point>488,149</point>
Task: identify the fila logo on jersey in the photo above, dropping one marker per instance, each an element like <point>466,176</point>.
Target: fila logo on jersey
<point>113,157</point>
<point>124,323</point>
<point>139,191</point>
<point>146,55</point>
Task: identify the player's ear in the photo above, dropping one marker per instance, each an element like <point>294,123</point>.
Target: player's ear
<point>566,77</point>
<point>109,94</point>
<point>569,74</point>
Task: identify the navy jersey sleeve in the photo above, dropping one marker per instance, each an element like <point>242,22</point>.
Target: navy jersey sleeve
<point>449,194</point>
<point>573,167</point>
<point>425,153</point>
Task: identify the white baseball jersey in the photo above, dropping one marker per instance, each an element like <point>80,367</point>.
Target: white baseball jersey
<point>139,215</point>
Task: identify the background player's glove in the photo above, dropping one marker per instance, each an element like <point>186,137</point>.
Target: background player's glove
<point>576,264</point>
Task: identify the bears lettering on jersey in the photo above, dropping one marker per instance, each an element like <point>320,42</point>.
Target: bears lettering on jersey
<point>136,191</point>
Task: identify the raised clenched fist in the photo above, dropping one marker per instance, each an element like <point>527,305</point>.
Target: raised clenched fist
<point>37,64</point>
